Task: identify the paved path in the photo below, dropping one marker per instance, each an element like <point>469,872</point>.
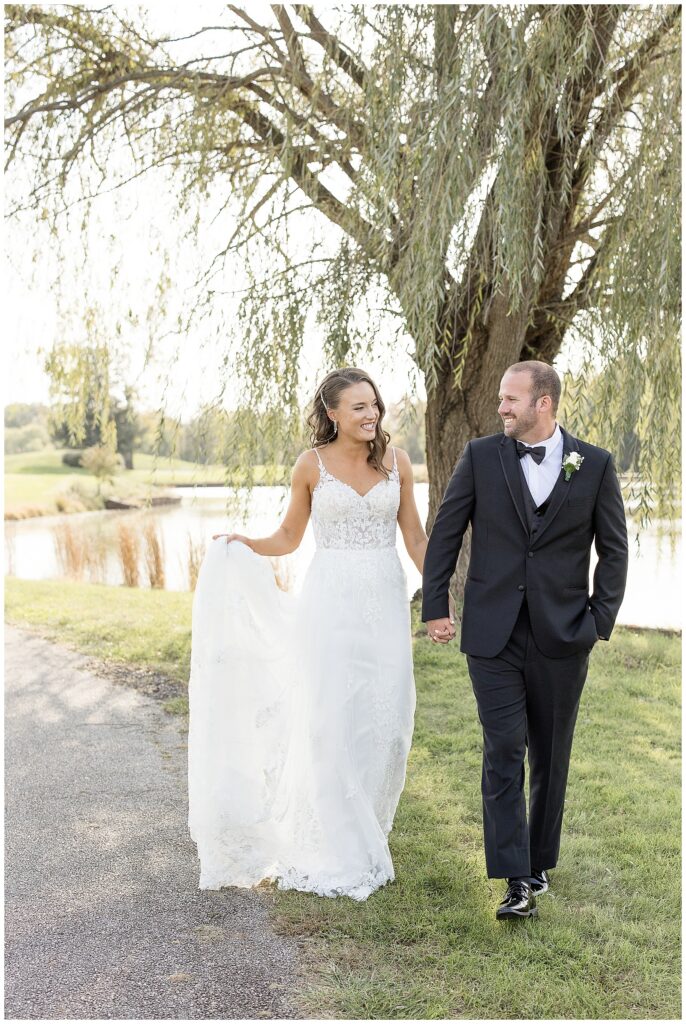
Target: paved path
<point>103,917</point>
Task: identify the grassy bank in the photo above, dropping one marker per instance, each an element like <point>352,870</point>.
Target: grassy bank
<point>606,944</point>
<point>38,483</point>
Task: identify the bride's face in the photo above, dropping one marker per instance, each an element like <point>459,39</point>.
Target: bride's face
<point>358,412</point>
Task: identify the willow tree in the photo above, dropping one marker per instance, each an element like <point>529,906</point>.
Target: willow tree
<point>505,178</point>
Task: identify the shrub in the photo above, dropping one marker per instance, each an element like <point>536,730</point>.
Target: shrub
<point>77,497</point>
<point>102,462</point>
<point>65,504</point>
<point>72,458</point>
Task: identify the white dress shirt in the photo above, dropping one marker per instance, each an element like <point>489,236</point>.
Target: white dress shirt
<point>542,477</point>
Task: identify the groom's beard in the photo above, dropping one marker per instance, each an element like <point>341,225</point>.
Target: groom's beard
<point>519,425</point>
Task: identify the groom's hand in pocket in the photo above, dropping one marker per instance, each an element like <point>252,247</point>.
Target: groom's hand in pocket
<point>441,631</point>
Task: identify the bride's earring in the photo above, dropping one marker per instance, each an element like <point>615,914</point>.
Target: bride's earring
<point>335,427</point>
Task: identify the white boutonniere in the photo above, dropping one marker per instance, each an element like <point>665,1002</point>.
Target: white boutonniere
<point>571,464</point>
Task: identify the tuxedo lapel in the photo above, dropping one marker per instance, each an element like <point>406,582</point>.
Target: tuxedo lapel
<point>513,477</point>
<point>561,490</point>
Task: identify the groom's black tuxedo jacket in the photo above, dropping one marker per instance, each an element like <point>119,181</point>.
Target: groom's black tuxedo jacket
<point>518,551</point>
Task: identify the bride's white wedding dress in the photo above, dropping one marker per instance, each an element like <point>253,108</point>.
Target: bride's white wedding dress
<point>302,707</point>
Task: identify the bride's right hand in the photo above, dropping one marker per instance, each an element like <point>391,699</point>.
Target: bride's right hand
<point>233,536</point>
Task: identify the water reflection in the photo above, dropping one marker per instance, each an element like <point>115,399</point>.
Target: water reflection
<point>653,593</point>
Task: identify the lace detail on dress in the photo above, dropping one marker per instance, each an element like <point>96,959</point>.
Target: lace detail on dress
<point>344,519</point>
<point>357,887</point>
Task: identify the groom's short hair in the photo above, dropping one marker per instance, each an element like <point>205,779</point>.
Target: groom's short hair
<point>544,380</point>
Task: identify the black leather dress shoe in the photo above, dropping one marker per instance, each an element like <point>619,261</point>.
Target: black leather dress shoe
<point>519,901</point>
<point>539,882</point>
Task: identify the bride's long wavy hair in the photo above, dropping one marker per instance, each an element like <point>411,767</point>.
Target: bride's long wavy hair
<point>328,395</point>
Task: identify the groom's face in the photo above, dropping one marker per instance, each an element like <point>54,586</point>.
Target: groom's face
<point>516,410</point>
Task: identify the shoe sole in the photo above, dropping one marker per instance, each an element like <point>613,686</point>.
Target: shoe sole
<point>539,892</point>
<point>509,915</point>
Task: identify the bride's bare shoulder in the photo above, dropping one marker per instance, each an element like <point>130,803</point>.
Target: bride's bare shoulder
<point>307,458</point>
<point>306,467</point>
<point>400,454</point>
<point>404,463</point>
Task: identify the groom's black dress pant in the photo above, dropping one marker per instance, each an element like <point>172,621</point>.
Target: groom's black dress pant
<point>525,700</point>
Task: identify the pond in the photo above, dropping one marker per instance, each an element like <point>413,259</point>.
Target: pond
<point>653,595</point>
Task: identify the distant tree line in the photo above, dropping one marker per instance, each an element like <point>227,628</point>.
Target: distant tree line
<point>26,428</point>
<point>206,437</point>
<point>33,426</point>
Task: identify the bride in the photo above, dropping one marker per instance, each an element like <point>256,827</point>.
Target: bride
<point>302,707</point>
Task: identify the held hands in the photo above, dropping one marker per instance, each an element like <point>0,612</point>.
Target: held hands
<point>442,631</point>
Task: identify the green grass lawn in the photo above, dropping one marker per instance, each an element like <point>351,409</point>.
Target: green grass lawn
<point>607,942</point>
<point>36,478</point>
<point>150,628</point>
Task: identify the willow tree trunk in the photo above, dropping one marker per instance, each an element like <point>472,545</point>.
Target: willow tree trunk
<point>455,415</point>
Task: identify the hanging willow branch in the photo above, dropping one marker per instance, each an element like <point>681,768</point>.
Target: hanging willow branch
<point>504,179</point>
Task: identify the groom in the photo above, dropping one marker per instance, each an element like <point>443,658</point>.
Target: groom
<point>537,499</point>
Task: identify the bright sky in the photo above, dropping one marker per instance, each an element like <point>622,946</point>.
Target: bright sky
<point>127,227</point>
<point>187,370</point>
<point>124,237</point>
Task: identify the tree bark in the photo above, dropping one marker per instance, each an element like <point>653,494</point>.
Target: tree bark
<point>455,415</point>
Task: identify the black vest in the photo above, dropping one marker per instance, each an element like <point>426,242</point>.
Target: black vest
<point>534,512</point>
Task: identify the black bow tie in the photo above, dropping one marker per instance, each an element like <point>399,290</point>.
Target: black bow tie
<point>537,454</point>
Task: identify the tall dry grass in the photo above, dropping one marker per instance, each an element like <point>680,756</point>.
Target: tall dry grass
<point>154,555</point>
<point>78,554</point>
<point>196,553</point>
<point>95,557</point>
<point>129,553</point>
<point>69,550</point>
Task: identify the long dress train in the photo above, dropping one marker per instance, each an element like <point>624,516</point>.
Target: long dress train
<point>302,707</point>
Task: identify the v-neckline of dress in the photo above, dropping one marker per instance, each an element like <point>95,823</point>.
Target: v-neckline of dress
<point>354,489</point>
<point>350,486</point>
